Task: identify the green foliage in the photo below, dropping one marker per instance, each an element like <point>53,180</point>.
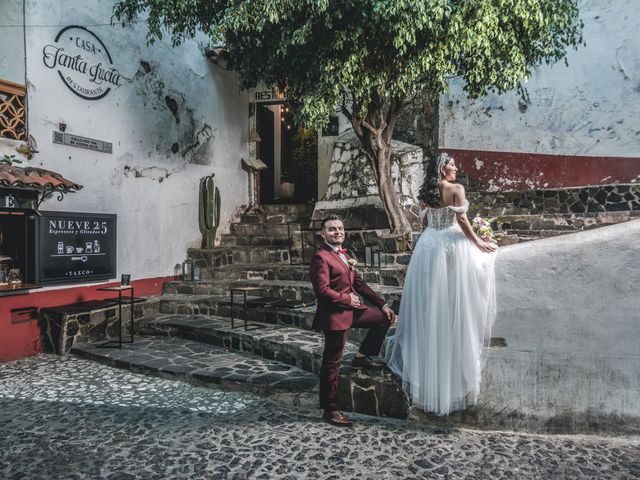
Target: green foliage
<point>9,160</point>
<point>305,159</point>
<point>359,54</point>
<point>370,58</point>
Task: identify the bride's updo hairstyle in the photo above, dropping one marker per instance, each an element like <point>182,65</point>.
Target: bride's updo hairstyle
<point>429,192</point>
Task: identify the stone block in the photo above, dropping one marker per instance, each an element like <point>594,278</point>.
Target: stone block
<point>618,207</point>
<point>613,197</point>
<point>521,225</point>
<point>600,196</point>
<point>578,207</point>
<point>593,206</point>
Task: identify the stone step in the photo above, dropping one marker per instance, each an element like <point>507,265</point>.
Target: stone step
<point>220,305</point>
<point>280,208</point>
<point>263,229</point>
<point>355,240</point>
<point>286,289</point>
<point>275,218</point>
<point>391,276</point>
<point>373,393</point>
<point>205,364</point>
<point>536,234</point>
<point>220,256</point>
<point>233,240</point>
<point>511,238</point>
<point>563,222</point>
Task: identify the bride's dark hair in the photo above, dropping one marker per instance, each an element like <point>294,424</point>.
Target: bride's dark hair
<point>429,192</point>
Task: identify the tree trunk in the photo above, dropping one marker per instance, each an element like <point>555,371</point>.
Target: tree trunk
<point>397,220</point>
<point>375,132</point>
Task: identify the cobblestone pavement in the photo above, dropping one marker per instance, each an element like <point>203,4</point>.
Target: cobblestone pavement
<point>69,418</point>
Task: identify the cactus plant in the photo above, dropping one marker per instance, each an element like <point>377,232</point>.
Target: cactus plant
<point>209,211</point>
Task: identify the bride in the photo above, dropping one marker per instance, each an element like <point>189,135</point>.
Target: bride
<point>448,302</point>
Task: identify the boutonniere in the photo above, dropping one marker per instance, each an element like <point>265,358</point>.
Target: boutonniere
<point>352,264</point>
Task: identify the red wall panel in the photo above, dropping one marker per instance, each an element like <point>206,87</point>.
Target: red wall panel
<point>20,336</point>
<point>529,171</point>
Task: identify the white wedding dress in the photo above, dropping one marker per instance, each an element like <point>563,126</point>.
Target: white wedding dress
<point>446,314</point>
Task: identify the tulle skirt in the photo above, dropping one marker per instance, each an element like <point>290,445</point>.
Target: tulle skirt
<point>446,314</point>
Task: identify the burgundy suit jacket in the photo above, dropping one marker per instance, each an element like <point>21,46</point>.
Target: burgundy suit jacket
<point>333,281</point>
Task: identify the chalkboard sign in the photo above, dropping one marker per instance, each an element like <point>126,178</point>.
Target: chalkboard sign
<point>75,247</point>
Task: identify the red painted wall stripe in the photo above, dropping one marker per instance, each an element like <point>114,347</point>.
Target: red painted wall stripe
<point>529,171</point>
<point>20,338</point>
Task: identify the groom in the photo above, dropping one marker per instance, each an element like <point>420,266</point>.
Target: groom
<point>337,286</point>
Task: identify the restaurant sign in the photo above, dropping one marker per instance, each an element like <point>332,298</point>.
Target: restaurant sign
<point>265,95</point>
<point>82,62</point>
<point>75,247</point>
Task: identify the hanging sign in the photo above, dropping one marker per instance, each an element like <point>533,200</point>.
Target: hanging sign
<point>82,62</point>
<point>268,95</point>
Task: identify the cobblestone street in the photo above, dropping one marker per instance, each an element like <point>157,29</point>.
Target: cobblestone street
<point>69,418</point>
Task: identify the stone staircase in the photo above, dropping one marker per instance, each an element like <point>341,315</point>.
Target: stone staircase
<point>530,215</point>
<point>193,322</point>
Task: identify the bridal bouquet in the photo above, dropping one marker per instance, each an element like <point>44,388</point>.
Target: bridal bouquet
<point>482,228</point>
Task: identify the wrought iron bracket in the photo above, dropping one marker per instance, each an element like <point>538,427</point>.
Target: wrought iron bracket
<point>47,194</point>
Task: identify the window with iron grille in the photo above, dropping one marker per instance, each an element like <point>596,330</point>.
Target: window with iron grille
<point>12,110</point>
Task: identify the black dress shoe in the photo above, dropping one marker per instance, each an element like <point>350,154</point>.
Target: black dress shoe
<point>366,362</point>
<point>336,417</point>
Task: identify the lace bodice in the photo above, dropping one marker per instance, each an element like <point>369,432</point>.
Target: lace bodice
<point>445,217</point>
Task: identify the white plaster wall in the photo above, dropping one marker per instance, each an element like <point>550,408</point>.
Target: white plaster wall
<point>325,154</point>
<point>591,107</point>
<point>153,191</point>
<point>569,309</point>
<point>12,41</point>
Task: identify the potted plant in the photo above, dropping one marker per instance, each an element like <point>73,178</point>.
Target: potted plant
<point>287,185</point>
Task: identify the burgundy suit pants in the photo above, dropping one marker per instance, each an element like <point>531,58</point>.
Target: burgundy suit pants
<point>334,340</point>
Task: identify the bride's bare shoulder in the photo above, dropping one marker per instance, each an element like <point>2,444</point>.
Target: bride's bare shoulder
<point>451,193</point>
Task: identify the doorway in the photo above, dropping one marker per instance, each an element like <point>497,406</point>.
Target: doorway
<point>291,156</point>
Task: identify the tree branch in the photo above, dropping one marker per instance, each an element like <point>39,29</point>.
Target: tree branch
<point>395,108</point>
<point>369,127</point>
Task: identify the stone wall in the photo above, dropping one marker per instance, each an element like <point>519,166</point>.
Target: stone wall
<point>68,326</point>
<point>352,192</point>
<point>601,198</point>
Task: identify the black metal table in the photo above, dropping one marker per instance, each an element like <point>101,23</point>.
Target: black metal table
<point>244,291</point>
<point>120,289</point>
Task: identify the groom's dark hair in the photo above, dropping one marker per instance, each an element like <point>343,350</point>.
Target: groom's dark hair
<point>333,216</point>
